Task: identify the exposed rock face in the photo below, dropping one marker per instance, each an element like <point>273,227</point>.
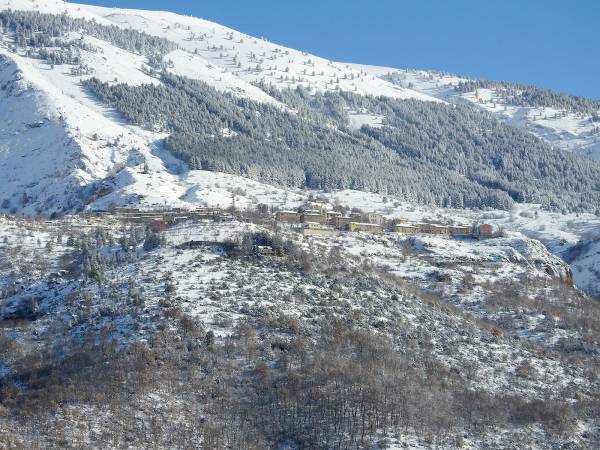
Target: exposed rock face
<point>567,279</point>
<point>523,254</point>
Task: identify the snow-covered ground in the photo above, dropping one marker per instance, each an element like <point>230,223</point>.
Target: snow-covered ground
<point>225,57</point>
<point>564,235</point>
<point>72,142</point>
<point>573,237</point>
<point>219,289</point>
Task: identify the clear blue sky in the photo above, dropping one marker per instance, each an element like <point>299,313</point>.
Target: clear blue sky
<point>548,43</point>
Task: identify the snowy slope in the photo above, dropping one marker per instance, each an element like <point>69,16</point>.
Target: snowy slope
<point>560,128</point>
<point>255,60</point>
<point>227,59</point>
<point>55,139</point>
<point>49,148</point>
<point>93,152</point>
<point>104,155</point>
<point>250,59</point>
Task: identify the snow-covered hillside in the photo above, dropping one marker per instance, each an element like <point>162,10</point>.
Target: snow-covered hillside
<point>99,159</point>
<point>560,127</point>
<point>55,140</point>
<point>486,315</point>
<point>62,151</point>
<point>72,143</point>
<point>228,59</point>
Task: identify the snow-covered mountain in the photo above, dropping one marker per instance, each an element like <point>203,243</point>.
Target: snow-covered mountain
<point>62,150</point>
<point>70,141</point>
<point>178,329</point>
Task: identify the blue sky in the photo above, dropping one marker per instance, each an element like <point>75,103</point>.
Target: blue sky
<point>548,43</point>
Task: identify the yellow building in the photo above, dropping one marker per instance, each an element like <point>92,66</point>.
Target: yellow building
<point>376,219</point>
<point>405,228</point>
<point>342,222</point>
<point>287,216</point>
<point>459,230</point>
<point>431,228</point>
<point>314,216</point>
<point>332,216</point>
<point>316,229</point>
<point>366,227</point>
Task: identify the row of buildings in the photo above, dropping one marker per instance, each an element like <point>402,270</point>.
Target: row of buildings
<point>482,231</point>
<point>327,223</point>
<point>166,216</point>
<point>324,222</point>
<point>311,222</point>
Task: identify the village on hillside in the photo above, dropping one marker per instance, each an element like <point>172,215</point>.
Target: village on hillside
<point>309,220</point>
<point>321,222</point>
